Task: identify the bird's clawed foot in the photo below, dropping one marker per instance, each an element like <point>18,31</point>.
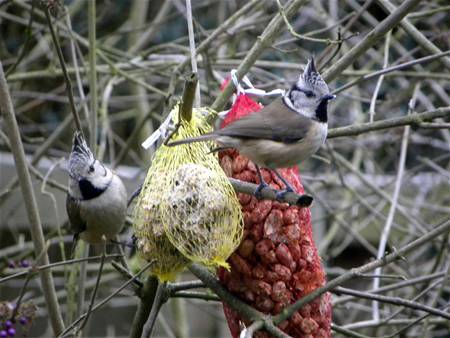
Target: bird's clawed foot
<point>282,193</point>
<point>128,244</point>
<point>261,186</point>
<point>258,191</point>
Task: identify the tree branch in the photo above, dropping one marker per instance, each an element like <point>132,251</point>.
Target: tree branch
<point>266,39</point>
<point>269,193</point>
<point>413,120</point>
<point>31,207</point>
<point>370,39</point>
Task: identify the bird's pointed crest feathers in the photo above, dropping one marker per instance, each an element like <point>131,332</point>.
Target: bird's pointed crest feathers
<point>81,155</point>
<point>312,79</point>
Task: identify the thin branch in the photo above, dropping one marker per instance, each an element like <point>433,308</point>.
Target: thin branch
<point>191,36</point>
<point>398,183</point>
<point>31,207</point>
<point>160,298</point>
<point>253,315</point>
<point>430,125</point>
<point>27,280</point>
<point>24,49</point>
<point>300,36</point>
<point>269,193</point>
<point>420,38</point>
<point>147,298</point>
<point>381,78</point>
<point>64,70</point>
<point>437,231</point>
<point>181,286</point>
<point>412,120</point>
<point>370,39</point>
<point>347,332</point>
<point>392,300</point>
<point>34,171</point>
<point>92,75</point>
<point>274,331</point>
<point>391,69</point>
<point>40,151</point>
<point>195,295</point>
<point>206,277</point>
<point>56,264</point>
<point>97,283</point>
<point>266,39</point>
<point>69,329</point>
<point>190,86</point>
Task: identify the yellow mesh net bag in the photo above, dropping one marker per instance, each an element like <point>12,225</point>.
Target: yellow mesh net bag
<point>187,210</point>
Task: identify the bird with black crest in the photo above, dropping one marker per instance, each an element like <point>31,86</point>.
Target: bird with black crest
<point>287,131</point>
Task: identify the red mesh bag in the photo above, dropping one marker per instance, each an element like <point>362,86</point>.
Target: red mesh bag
<point>277,261</point>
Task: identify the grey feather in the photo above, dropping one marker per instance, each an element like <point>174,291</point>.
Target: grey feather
<point>77,225</point>
<point>290,126</point>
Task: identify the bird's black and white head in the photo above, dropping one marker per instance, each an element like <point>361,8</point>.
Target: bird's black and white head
<point>310,94</point>
<point>88,176</point>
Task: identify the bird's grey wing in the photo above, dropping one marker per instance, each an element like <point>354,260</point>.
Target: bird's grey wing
<point>274,122</point>
<point>77,225</point>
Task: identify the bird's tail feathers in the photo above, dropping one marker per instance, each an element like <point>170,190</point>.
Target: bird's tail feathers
<point>201,138</point>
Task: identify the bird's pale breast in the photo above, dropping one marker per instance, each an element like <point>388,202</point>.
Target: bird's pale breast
<point>105,221</point>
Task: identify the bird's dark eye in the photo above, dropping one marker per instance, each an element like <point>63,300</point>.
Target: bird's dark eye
<point>91,169</point>
<point>309,93</point>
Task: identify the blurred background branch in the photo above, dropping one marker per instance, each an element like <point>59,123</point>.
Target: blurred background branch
<point>129,61</point>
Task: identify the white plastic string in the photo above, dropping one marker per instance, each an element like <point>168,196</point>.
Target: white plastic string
<point>251,89</point>
<point>237,85</point>
<point>223,113</point>
<point>161,132</point>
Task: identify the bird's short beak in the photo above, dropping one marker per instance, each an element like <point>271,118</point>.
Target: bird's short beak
<point>328,97</point>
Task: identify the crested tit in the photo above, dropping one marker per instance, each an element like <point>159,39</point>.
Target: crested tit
<point>285,132</point>
<point>97,200</point>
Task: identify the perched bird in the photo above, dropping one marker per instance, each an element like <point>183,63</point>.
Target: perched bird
<point>283,133</point>
<point>97,200</point>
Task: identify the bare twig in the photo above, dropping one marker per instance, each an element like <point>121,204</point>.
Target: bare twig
<point>412,120</point>
<point>270,193</point>
<point>192,49</point>
<point>56,264</point>
<point>415,33</point>
<point>30,202</point>
<point>160,298</point>
<point>147,298</point>
<point>92,75</point>
<point>64,70</point>
<point>370,39</point>
<point>300,36</point>
<point>266,39</point>
<point>105,300</point>
<point>441,229</point>
<point>391,69</point>
<point>398,183</point>
<point>253,315</point>
<point>97,283</point>
<point>381,78</point>
<point>188,97</point>
<point>393,300</point>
